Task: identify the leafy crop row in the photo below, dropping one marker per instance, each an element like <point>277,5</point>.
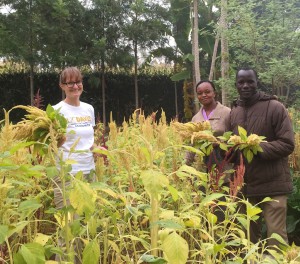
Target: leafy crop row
<point>146,206</point>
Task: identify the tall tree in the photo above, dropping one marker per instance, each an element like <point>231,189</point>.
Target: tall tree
<point>224,53</point>
<point>105,44</point>
<point>146,28</point>
<point>195,45</point>
<point>205,31</point>
<point>19,41</point>
<point>43,34</point>
<point>265,34</point>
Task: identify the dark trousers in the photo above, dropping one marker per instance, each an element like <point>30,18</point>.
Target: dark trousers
<point>274,213</point>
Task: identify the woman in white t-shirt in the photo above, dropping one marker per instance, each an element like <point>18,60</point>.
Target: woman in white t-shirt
<point>80,131</point>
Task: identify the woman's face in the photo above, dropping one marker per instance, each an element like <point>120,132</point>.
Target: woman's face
<point>72,86</point>
<point>206,94</point>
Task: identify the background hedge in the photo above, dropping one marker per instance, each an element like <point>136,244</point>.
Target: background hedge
<point>156,92</point>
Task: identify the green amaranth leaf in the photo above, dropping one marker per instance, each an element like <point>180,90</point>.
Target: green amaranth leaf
<point>175,248</point>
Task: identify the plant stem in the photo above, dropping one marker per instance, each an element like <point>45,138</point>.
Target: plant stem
<point>9,251</point>
<point>66,233</point>
<point>154,228</point>
<point>105,244</point>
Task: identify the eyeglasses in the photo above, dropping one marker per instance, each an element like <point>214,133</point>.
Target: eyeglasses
<point>71,84</point>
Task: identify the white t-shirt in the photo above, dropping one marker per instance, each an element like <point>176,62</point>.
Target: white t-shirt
<point>81,120</point>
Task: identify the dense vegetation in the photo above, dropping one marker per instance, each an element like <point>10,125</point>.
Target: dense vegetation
<point>145,206</point>
<point>103,35</point>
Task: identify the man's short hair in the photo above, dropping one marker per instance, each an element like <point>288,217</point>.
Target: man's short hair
<point>246,68</point>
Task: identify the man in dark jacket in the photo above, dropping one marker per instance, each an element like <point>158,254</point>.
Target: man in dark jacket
<point>268,173</point>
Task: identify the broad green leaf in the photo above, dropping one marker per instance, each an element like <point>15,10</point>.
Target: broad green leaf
<point>193,221</point>
<point>218,247</point>
<point>49,110</point>
<point>146,153</point>
<point>133,210</point>
<point>75,227</point>
<point>254,150</point>
<point>91,253</point>
<point>92,226</point>
<point>189,57</point>
<point>114,246</point>
<point>166,214</point>
<point>253,211</point>
<point>3,233</point>
<point>188,171</point>
<point>104,152</point>
<point>163,233</point>
<point>18,258</point>
<point>211,218</point>
<point>242,133</point>
<point>82,198</point>
<point>173,192</point>
<point>8,166</point>
<point>41,239</point>
<point>33,253</point>
<point>253,249</point>
<point>52,171</point>
<point>279,239</point>
<point>154,181</point>
<point>21,145</point>
<point>195,150</point>
<point>32,171</point>
<point>259,149</point>
<point>144,242</point>
<point>223,146</point>
<point>153,259</point>
<point>183,75</point>
<point>175,249</point>
<point>168,224</point>
<point>212,197</point>
<point>17,228</point>
<point>29,206</point>
<point>267,199</point>
<point>248,154</point>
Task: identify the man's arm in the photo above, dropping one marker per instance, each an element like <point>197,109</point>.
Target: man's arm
<point>284,142</point>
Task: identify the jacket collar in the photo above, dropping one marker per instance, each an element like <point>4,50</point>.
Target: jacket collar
<point>258,96</point>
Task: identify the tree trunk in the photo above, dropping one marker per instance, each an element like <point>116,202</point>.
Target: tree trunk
<point>195,45</point>
<point>31,64</point>
<point>136,88</point>
<point>31,84</point>
<point>214,56</point>
<point>176,103</point>
<point>224,53</point>
<point>287,94</point>
<point>103,86</point>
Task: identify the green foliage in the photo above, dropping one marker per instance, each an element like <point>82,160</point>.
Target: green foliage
<point>175,248</point>
<point>264,34</point>
<point>30,253</point>
<point>146,201</point>
<point>91,253</point>
<point>82,198</point>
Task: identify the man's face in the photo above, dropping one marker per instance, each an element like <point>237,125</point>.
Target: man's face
<point>246,83</point>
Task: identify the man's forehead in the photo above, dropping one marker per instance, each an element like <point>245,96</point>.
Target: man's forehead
<point>247,72</point>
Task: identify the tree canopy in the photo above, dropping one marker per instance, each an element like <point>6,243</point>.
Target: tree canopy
<point>101,35</point>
